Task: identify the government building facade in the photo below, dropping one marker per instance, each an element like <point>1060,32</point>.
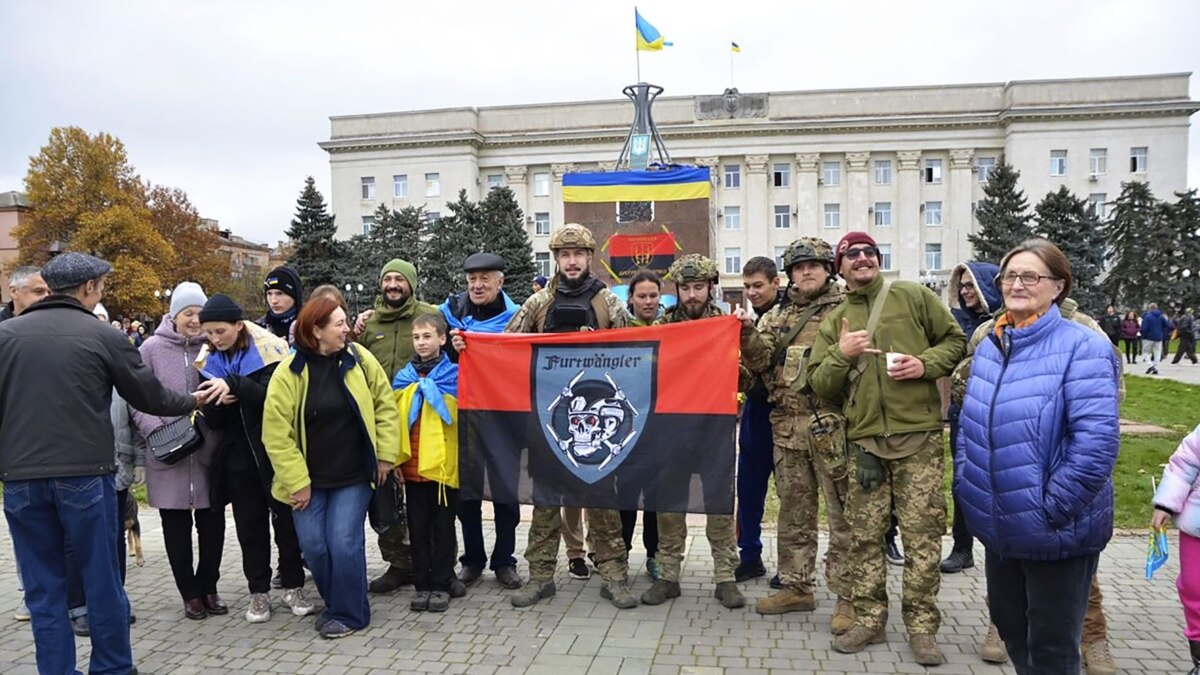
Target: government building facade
<point>905,164</point>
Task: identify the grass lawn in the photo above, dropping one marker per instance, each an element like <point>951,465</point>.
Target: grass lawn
<point>1164,403</point>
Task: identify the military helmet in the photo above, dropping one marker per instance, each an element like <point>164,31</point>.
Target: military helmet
<point>807,249</point>
<point>572,235</point>
<point>693,267</point>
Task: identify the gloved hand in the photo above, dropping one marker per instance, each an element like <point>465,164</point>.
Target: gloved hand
<point>139,475</point>
<point>870,469</point>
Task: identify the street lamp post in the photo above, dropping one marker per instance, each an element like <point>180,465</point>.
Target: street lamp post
<point>164,295</point>
<point>356,291</point>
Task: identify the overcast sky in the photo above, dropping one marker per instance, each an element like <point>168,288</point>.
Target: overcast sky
<point>228,100</point>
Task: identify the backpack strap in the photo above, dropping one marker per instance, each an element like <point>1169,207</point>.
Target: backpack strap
<point>860,366</point>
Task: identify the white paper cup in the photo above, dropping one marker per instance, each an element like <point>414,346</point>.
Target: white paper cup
<point>893,360</point>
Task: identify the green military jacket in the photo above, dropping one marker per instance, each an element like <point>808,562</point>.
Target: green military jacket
<point>532,315</point>
<point>388,333</point>
<point>915,322</point>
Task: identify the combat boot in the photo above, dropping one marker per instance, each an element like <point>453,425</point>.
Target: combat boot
<point>843,617</point>
<point>858,637</point>
<point>993,650</point>
<point>619,594</point>
<point>390,580</point>
<point>1098,658</point>
<point>660,592</point>
<point>729,594</point>
<point>532,592</point>
<point>790,599</point>
<point>925,650</point>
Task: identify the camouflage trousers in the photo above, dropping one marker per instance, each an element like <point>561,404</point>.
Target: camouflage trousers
<point>914,483</point>
<point>672,539</point>
<point>394,548</point>
<point>545,532</point>
<point>798,475</point>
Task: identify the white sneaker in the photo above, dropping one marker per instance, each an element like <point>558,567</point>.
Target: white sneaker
<point>22,613</point>
<point>298,601</point>
<point>260,608</point>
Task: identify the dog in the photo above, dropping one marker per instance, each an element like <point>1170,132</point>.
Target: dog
<point>133,531</point>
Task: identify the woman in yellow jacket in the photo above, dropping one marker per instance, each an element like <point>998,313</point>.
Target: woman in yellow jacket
<point>332,432</point>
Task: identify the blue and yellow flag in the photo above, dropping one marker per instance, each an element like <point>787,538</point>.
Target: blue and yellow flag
<point>734,46</point>
<point>668,185</point>
<point>648,37</point>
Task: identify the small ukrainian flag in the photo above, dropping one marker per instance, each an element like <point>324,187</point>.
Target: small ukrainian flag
<point>648,37</point>
<point>734,46</point>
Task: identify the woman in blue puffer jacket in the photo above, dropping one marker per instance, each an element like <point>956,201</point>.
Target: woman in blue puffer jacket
<point>1038,440</point>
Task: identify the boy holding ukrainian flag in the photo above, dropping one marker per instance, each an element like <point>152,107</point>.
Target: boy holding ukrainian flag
<point>427,395</point>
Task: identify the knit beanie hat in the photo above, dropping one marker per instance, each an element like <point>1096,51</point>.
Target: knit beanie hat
<point>286,279</point>
<point>540,280</point>
<point>187,294</point>
<point>403,267</point>
<point>849,240</point>
<point>221,307</point>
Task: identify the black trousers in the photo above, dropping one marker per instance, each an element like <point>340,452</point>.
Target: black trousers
<point>1038,608</point>
<point>1187,347</point>
<point>649,530</point>
<point>431,536</point>
<point>253,513</point>
<point>201,580</point>
<point>1133,349</point>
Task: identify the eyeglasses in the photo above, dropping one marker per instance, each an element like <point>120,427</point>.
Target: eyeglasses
<point>854,253</point>
<point>1027,279</point>
<point>967,286</point>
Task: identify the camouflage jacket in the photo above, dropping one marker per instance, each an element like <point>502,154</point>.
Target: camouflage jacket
<point>526,320</point>
<point>676,314</point>
<point>962,372</point>
<point>792,406</point>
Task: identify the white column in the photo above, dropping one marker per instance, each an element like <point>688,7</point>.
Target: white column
<point>716,239</point>
<point>756,222</point>
<point>909,256</point>
<point>516,178</point>
<point>858,190</point>
<point>958,220</point>
<point>556,195</point>
<point>808,211</point>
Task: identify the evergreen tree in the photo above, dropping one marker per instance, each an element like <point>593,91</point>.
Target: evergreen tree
<point>1003,216</point>
<point>1070,224</point>
<point>1130,237</point>
<point>504,234</point>
<point>1185,214</point>
<point>317,256</point>
<point>450,240</point>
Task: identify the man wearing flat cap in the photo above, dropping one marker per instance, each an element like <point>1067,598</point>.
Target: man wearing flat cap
<point>484,308</point>
<point>58,478</point>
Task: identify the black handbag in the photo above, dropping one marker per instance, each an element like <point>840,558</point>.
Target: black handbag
<point>386,510</point>
<point>177,439</point>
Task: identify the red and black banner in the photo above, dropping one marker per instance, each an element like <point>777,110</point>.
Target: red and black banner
<point>630,253</point>
<point>634,418</point>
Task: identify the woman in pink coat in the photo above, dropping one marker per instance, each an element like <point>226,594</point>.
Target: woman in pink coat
<point>1178,497</point>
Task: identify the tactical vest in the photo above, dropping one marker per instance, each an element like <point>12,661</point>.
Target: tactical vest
<point>561,315</point>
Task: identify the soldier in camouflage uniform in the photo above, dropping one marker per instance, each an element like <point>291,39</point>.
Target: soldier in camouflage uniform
<point>894,423</point>
<point>574,300</point>
<point>810,434</point>
<point>695,278</point>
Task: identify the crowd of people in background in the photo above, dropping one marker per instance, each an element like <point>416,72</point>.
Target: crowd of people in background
<point>1151,333</point>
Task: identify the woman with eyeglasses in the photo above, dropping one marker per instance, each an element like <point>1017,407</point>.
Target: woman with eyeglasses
<point>1038,441</point>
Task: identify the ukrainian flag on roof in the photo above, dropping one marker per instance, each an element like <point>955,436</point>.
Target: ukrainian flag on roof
<point>648,37</point>
<point>663,185</point>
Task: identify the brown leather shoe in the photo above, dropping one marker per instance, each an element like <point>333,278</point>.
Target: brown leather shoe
<point>215,605</point>
<point>194,609</point>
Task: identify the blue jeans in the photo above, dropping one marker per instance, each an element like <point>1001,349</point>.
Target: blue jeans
<point>507,517</point>
<point>41,515</point>
<point>331,536</point>
<point>756,463</point>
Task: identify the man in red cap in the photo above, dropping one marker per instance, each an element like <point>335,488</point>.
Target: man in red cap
<point>881,352</point>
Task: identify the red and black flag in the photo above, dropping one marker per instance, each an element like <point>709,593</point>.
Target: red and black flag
<point>629,253</point>
<point>635,418</point>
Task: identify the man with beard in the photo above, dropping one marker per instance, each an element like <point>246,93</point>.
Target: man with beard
<point>574,300</point>
<point>285,294</point>
<point>809,434</point>
<point>388,334</point>
<point>695,279</point>
<point>894,422</point>
<point>484,308</point>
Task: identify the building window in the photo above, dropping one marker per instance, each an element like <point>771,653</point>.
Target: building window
<point>541,224</point>
<point>433,185</point>
<point>368,187</point>
<point>984,167</point>
<point>1058,162</point>
<point>783,216</point>
<point>733,217</point>
<point>541,184</point>
<point>1137,160</point>
<point>1098,202</point>
<point>883,214</point>
<point>781,175</point>
<point>779,251</point>
<point>431,217</point>
<point>883,172</point>
<point>733,176</point>
<point>933,257</point>
<point>733,260</point>
<point>933,171</point>
<point>933,213</point>
<point>1098,161</point>
<point>400,185</point>
<point>635,212</point>
<point>368,225</point>
<point>833,215</point>
<point>831,173</point>
<point>542,261</point>
<point>885,256</point>
<point>495,180</point>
